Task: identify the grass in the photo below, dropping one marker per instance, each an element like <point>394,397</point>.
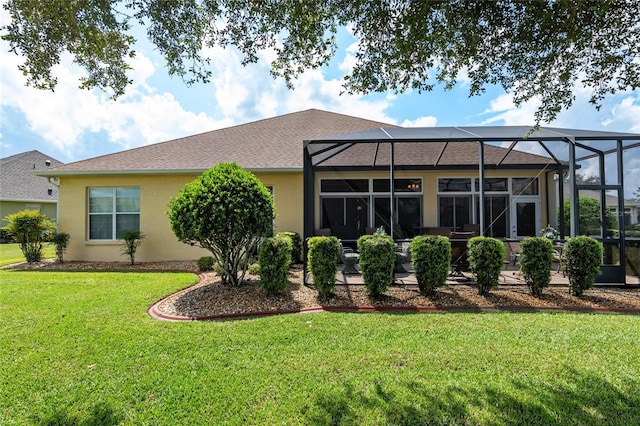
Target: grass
<point>11,253</point>
<point>79,348</point>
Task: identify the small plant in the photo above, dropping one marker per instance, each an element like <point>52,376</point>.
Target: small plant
<point>323,263</point>
<point>30,229</point>
<point>535,264</point>
<point>205,263</point>
<point>486,259</point>
<point>377,260</point>
<point>549,233</point>
<point>583,257</point>
<point>295,245</point>
<point>61,241</point>
<point>431,259</point>
<point>254,268</point>
<point>380,231</point>
<point>275,258</point>
<point>132,240</point>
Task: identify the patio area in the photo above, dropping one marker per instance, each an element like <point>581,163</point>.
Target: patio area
<point>509,276</point>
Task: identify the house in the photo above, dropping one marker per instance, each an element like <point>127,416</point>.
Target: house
<point>435,183</point>
<point>631,207</point>
<point>21,189</point>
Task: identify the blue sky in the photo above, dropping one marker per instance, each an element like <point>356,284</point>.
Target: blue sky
<point>72,124</point>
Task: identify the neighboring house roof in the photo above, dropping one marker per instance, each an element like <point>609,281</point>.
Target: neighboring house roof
<point>269,144</point>
<point>610,200</point>
<point>18,181</point>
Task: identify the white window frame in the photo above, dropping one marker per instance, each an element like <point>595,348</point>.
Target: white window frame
<point>114,213</point>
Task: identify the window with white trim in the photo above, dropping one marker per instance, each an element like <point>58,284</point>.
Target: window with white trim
<point>113,210</point>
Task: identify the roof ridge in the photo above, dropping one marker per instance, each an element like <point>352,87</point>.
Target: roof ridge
<point>223,129</point>
<point>10,158</point>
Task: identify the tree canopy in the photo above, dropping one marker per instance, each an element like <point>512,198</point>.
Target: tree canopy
<point>537,48</point>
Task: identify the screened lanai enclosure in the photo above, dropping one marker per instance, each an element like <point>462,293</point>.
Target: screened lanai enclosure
<point>507,182</point>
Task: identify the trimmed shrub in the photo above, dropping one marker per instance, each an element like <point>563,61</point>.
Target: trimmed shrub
<point>205,263</point>
<point>583,257</point>
<point>274,259</point>
<point>30,229</point>
<point>431,259</point>
<point>535,263</point>
<point>61,241</point>
<point>323,262</point>
<point>226,210</point>
<point>132,240</point>
<point>296,246</point>
<point>377,260</point>
<point>486,259</point>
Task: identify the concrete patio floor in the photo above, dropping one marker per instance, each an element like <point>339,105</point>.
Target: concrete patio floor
<point>510,276</point>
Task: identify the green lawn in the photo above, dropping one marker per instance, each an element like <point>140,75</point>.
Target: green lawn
<point>79,348</point>
<point>10,253</point>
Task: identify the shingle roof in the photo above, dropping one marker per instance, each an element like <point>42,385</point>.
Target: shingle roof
<point>273,143</point>
<point>276,144</point>
<point>17,179</point>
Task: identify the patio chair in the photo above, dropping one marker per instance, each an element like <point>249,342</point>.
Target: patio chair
<point>512,251</point>
<point>350,259</point>
<point>560,257</point>
<point>403,255</point>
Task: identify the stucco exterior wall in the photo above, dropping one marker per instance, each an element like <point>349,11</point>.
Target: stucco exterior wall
<point>155,192</point>
<point>11,207</point>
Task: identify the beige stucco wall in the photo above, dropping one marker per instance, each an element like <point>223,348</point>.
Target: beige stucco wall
<point>155,192</point>
<point>10,207</point>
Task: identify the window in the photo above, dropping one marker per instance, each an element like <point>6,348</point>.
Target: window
<point>344,185</point>
<point>350,206</point>
<point>524,186</point>
<point>509,202</point>
<point>455,211</point>
<point>113,210</point>
<point>399,185</point>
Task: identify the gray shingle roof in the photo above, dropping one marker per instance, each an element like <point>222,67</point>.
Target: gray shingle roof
<point>273,143</point>
<point>17,179</point>
<point>276,144</point>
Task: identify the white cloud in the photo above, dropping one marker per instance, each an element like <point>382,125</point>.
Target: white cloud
<point>249,92</point>
<point>424,121</point>
<point>67,117</point>
<point>626,114</point>
<point>506,113</point>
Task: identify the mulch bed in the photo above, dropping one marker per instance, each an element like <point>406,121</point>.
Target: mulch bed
<point>210,299</point>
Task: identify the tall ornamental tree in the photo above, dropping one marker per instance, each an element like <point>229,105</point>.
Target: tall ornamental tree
<point>530,48</point>
<point>226,210</point>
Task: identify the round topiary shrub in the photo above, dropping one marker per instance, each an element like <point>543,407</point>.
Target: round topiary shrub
<point>431,259</point>
<point>323,262</point>
<point>535,263</point>
<point>377,260</point>
<point>226,210</point>
<point>486,259</point>
<point>583,257</point>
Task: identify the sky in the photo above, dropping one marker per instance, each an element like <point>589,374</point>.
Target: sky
<point>72,124</point>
